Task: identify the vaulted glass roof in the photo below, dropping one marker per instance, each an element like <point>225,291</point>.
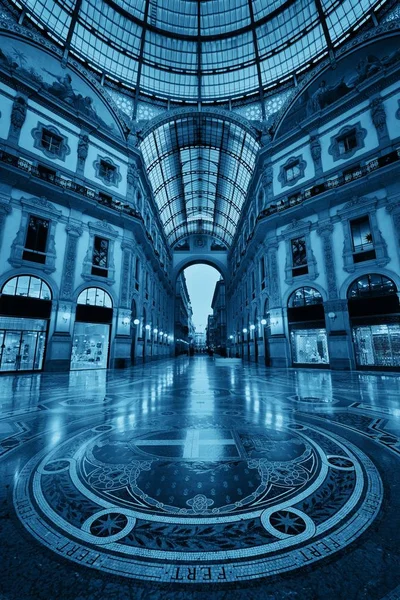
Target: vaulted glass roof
<point>207,50</point>
<point>199,166</point>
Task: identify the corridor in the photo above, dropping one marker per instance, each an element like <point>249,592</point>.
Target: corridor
<point>196,478</point>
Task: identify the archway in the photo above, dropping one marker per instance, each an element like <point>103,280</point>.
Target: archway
<point>200,310</point>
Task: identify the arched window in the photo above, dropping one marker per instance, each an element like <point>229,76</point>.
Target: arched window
<point>94,296</point>
<point>371,285</point>
<point>28,287</point>
<point>305,296</point>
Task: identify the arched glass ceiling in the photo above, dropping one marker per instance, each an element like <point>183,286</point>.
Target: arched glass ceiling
<point>199,50</point>
<point>199,166</point>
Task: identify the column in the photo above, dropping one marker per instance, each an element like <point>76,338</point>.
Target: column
<point>337,321</point>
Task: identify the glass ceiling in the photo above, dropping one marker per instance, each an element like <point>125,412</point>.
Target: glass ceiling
<point>199,50</point>
<point>199,166</point>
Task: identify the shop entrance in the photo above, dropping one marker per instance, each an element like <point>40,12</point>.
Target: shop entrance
<point>375,320</point>
<point>91,337</point>
<point>308,338</point>
<point>25,309</point>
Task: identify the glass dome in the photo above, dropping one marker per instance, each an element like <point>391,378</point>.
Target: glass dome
<point>199,50</point>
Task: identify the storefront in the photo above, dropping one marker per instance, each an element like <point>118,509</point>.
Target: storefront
<point>91,337</point>
<point>375,321</point>
<point>25,309</point>
<point>308,338</point>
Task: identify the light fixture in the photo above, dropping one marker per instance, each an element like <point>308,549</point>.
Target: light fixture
<point>332,315</point>
<point>263,321</point>
<point>161,333</point>
<point>136,322</point>
<point>245,330</point>
<point>252,327</point>
<point>147,327</point>
<point>155,331</point>
<point>231,337</point>
<point>165,335</point>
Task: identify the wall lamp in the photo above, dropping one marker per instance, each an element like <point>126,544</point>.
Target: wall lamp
<point>136,322</point>
<point>263,321</point>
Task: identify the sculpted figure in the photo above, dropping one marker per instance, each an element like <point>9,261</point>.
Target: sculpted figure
<point>83,148</point>
<point>315,147</point>
<point>18,113</point>
<point>378,113</point>
<point>132,175</point>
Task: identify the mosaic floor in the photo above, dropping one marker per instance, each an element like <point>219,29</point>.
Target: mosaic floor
<point>183,479</point>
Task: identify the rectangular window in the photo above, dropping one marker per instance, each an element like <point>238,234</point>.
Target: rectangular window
<point>36,240</point>
<point>100,256</point>
<point>107,171</point>
<point>347,142</point>
<point>51,142</point>
<point>362,241</point>
<point>292,171</point>
<point>299,257</point>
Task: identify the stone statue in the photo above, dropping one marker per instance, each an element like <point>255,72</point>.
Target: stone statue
<point>18,113</point>
<point>315,148</point>
<point>265,133</point>
<point>378,114</point>
<point>132,175</point>
<point>83,148</point>
<point>267,177</point>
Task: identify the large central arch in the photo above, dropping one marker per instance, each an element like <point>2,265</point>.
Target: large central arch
<point>182,262</point>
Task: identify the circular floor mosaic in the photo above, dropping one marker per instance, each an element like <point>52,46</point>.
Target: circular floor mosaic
<point>202,503</point>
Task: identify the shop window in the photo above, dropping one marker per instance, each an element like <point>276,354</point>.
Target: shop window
<point>50,141</point>
<point>305,296</point>
<point>309,346</point>
<point>90,346</point>
<point>28,287</point>
<point>36,240</point>
<point>299,256</point>
<point>371,285</point>
<point>377,345</point>
<point>95,297</point>
<point>22,344</point>
<point>100,256</point>
<point>362,240</point>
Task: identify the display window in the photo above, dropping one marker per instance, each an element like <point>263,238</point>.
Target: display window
<point>90,346</point>
<point>377,345</point>
<point>22,344</point>
<point>309,346</point>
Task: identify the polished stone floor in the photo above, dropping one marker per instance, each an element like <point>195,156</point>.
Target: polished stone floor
<point>186,479</point>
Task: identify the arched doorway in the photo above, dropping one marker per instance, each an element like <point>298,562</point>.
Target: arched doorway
<point>91,337</point>
<point>307,329</point>
<point>25,310</point>
<point>374,313</point>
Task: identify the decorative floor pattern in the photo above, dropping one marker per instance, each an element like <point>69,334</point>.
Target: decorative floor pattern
<point>192,480</point>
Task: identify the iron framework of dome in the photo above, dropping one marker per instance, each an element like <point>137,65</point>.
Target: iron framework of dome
<point>199,50</point>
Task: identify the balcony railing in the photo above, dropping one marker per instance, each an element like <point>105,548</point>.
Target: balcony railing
<point>68,184</point>
<point>331,183</point>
